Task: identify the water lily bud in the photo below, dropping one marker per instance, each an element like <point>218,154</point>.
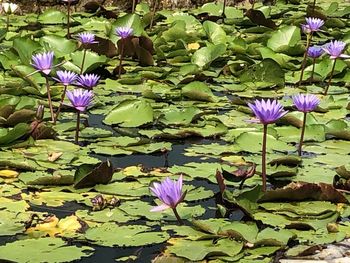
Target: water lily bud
<point>40,112</point>
<point>98,203</point>
<point>114,201</point>
<point>245,171</point>
<point>332,228</point>
<point>9,8</point>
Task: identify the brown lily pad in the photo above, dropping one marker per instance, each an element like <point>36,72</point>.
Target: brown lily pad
<point>90,175</point>
<point>104,47</point>
<point>258,17</point>
<point>300,191</point>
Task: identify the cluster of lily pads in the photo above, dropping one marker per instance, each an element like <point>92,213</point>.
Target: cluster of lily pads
<point>165,111</point>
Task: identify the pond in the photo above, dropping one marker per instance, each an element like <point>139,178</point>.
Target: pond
<point>211,134</point>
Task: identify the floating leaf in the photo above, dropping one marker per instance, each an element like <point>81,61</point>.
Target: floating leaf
<point>303,191</point>
<point>204,56</point>
<point>198,250</point>
<point>8,173</point>
<point>52,249</point>
<point>90,175</point>
<point>198,91</point>
<point>130,113</point>
<point>129,236</point>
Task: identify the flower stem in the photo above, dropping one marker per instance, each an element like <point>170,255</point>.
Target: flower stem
<point>179,220</point>
<point>223,9</point>
<point>77,128</point>
<point>133,6</point>
<point>313,6</point>
<point>68,19</point>
<point>313,70</point>
<point>263,159</point>
<point>302,135</point>
<point>49,98</point>
<point>330,78</point>
<point>155,4</point>
<point>61,103</point>
<point>121,57</point>
<point>83,62</point>
<point>308,41</point>
<point>7,22</point>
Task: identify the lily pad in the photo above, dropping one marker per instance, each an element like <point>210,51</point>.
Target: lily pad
<point>53,249</point>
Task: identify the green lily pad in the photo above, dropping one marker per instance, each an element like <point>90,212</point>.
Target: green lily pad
<point>130,113</point>
<point>128,236</point>
<point>52,249</point>
<point>199,250</point>
<point>205,56</point>
<point>198,91</point>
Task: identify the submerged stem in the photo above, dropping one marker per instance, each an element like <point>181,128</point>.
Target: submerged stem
<point>68,19</point>
<point>77,128</point>
<point>263,159</point>
<point>61,103</point>
<point>302,135</point>
<point>308,41</point>
<point>83,62</point>
<point>121,57</point>
<point>330,78</point>
<point>179,220</point>
<point>49,98</point>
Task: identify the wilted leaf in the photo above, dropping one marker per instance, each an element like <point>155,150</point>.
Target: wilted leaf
<point>90,175</point>
<point>305,191</point>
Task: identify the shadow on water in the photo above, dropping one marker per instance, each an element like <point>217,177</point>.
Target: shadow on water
<point>109,255</point>
<point>175,157</point>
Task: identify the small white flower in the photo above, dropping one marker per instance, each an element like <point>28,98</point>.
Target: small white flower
<point>9,8</point>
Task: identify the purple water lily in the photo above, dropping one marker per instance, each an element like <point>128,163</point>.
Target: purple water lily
<point>315,52</point>
<point>266,112</point>
<point>43,62</point>
<point>87,38</point>
<point>80,100</point>
<point>88,80</point>
<point>124,32</point>
<point>312,25</point>
<point>305,103</point>
<point>335,50</point>
<point>65,77</point>
<point>170,193</point>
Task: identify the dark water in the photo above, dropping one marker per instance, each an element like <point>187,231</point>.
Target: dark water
<point>174,157</point>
